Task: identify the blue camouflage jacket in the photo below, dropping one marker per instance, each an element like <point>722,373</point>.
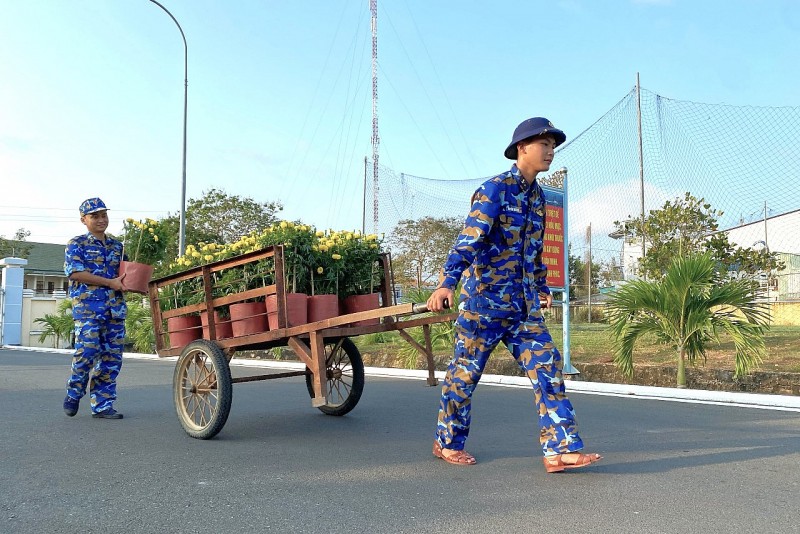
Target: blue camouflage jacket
<point>499,251</point>
<point>87,253</point>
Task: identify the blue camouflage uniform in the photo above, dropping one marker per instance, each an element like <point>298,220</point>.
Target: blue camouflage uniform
<point>499,256</point>
<point>99,315</point>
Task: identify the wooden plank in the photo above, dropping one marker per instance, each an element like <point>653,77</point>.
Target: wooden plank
<point>431,319</point>
<point>426,351</point>
<point>315,360</point>
<point>302,351</point>
<point>320,370</point>
<point>426,332</point>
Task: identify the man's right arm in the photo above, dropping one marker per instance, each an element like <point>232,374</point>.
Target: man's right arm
<point>471,239</point>
<point>85,277</point>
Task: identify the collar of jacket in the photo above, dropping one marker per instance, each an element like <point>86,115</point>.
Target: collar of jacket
<point>523,184</point>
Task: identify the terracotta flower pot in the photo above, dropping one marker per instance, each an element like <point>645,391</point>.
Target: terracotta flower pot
<point>183,330</point>
<point>296,309</point>
<point>359,303</point>
<point>321,307</point>
<point>222,326</point>
<point>137,275</point>
<point>248,318</point>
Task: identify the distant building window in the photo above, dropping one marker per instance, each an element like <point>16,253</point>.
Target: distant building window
<point>65,287</point>
<point>51,286</point>
<point>39,287</point>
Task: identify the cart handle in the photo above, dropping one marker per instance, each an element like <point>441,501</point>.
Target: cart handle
<point>422,308</point>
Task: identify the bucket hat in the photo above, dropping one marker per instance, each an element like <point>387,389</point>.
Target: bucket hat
<point>91,205</point>
<point>531,128</point>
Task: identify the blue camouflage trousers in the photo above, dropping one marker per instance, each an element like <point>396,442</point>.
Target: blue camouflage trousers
<point>533,349</point>
<point>98,346</point>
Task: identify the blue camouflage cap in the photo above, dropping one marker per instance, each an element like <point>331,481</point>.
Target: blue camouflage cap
<point>91,205</point>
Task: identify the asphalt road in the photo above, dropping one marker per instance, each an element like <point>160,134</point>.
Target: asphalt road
<point>280,465</point>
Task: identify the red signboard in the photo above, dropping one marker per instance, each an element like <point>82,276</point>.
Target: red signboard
<point>553,254</point>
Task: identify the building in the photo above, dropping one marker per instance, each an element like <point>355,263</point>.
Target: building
<point>44,273</point>
<point>777,234</point>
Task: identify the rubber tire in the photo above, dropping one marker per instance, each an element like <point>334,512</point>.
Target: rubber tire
<point>224,389</point>
<point>352,354</point>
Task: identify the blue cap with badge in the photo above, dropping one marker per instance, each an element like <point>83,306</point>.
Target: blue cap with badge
<point>91,205</point>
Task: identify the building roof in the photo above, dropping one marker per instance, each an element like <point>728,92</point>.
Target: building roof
<point>45,258</point>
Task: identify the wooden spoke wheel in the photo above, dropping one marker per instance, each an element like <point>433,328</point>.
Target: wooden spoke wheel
<point>345,377</point>
<point>202,389</point>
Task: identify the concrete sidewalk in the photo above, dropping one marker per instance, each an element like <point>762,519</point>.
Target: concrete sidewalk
<point>786,403</point>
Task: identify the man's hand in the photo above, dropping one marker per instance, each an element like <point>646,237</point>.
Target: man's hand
<point>118,283</point>
<point>94,280</point>
<point>545,300</point>
<point>436,300</point>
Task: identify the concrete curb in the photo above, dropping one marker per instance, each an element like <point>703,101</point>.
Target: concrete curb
<point>786,403</point>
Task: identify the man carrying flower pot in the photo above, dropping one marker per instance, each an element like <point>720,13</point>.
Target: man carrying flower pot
<point>98,308</point>
<point>499,256</point>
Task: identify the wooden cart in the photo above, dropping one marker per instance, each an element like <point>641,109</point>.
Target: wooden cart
<point>202,382</point>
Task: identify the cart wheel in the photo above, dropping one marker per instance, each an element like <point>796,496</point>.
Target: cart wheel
<point>202,389</point>
<point>345,377</point>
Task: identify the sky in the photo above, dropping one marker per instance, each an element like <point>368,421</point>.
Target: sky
<point>280,103</point>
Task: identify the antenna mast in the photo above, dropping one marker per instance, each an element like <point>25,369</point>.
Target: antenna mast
<point>376,140</point>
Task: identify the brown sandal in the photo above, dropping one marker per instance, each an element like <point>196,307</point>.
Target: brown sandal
<point>555,464</point>
<point>459,458</point>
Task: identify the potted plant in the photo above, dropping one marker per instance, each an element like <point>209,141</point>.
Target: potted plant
<point>325,269</point>
<point>182,329</point>
<point>143,245</point>
<point>298,242</point>
<point>248,316</point>
<point>361,273</point>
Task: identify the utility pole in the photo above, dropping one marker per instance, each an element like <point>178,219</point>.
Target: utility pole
<point>641,160</point>
<point>376,140</point>
<point>589,271</point>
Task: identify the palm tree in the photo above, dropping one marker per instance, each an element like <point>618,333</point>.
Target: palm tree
<point>687,309</point>
<point>59,325</point>
<point>139,332</point>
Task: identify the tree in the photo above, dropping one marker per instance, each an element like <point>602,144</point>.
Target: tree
<point>578,271</point>
<point>16,247</point>
<point>59,325</point>
<point>687,309</point>
<point>217,217</point>
<point>688,226</point>
<point>610,273</point>
<point>420,248</point>
<point>139,331</point>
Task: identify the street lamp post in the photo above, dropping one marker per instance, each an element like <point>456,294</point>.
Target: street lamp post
<point>182,232</point>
